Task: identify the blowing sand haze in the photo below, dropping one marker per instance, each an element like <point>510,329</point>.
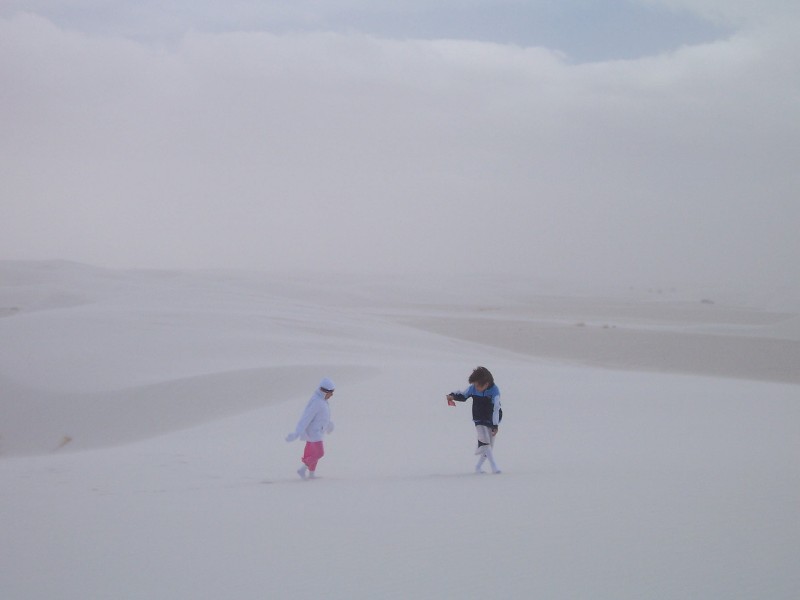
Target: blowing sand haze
<point>651,452</point>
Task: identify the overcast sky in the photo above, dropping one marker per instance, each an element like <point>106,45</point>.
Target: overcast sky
<point>631,141</point>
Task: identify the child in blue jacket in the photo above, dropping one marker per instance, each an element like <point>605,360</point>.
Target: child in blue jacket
<point>486,413</point>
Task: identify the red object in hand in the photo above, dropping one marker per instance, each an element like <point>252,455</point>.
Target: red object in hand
<point>451,402</point>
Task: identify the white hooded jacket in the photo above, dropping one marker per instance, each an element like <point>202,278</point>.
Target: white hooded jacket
<point>316,419</point>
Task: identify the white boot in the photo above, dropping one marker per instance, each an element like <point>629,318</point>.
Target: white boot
<point>303,471</point>
<point>479,466</point>
<point>488,454</point>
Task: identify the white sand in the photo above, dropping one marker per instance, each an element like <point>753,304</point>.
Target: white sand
<point>142,419</point>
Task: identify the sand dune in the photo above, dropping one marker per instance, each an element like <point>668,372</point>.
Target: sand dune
<point>143,416</point>
<point>38,421</point>
<point>623,347</point>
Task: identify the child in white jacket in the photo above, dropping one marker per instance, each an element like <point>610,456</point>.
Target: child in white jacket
<point>312,426</point>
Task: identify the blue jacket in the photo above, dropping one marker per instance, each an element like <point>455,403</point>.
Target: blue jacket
<point>486,409</point>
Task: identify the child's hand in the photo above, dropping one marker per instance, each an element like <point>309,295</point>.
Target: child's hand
<point>494,430</point>
<point>450,400</point>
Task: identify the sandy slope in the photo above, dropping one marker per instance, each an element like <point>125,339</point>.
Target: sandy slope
<point>749,354</point>
<point>618,483</point>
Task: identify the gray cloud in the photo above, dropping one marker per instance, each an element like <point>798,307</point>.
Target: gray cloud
<point>356,152</point>
<point>583,31</point>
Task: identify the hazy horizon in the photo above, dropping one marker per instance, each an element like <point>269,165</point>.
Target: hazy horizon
<point>649,141</point>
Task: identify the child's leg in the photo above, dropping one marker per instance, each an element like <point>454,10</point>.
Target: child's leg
<point>485,446</point>
<point>488,454</point>
<point>485,438</point>
<point>479,466</point>
<point>313,452</point>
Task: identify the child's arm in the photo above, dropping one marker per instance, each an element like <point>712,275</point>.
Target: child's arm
<point>454,397</point>
<point>308,414</point>
<point>495,414</point>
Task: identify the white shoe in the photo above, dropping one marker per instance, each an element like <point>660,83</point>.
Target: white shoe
<point>312,475</point>
<point>302,471</point>
<point>496,471</point>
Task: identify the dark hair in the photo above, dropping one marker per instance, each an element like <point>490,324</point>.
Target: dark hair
<point>481,375</point>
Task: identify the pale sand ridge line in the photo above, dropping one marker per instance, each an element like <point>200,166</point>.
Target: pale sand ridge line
<point>730,356</point>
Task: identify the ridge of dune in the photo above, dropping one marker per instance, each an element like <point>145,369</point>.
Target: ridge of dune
<point>35,421</point>
<point>727,355</point>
